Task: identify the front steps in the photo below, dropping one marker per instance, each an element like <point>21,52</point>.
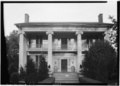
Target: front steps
<point>66,77</point>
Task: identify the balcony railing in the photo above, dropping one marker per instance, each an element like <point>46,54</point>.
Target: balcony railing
<point>38,49</point>
<point>56,48</point>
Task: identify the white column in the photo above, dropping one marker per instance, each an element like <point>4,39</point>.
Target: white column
<point>79,49</point>
<point>50,50</point>
<point>22,50</point>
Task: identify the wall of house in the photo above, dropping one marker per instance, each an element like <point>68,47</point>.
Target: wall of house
<point>71,61</point>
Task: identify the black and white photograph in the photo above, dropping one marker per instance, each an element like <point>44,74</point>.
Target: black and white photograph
<point>60,43</point>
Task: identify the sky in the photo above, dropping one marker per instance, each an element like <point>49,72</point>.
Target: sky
<point>56,12</point>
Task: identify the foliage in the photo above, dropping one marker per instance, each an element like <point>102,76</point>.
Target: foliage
<point>100,62</point>
<point>22,74</point>
<point>111,34</point>
<point>14,78</point>
<point>43,68</point>
<point>30,67</point>
<point>31,72</point>
<point>12,47</point>
<point>31,78</point>
<point>33,75</point>
<point>12,68</point>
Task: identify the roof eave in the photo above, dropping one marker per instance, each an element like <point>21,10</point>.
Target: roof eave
<point>20,25</point>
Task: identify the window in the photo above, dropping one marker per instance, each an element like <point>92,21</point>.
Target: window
<point>37,61</point>
<point>84,45</point>
<point>45,43</point>
<point>39,41</point>
<point>64,43</point>
<point>33,43</point>
<point>56,43</point>
<point>72,44</point>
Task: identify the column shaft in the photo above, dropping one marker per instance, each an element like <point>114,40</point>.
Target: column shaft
<point>22,51</point>
<point>50,51</point>
<point>79,50</point>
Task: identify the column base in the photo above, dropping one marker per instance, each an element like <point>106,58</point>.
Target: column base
<point>50,74</point>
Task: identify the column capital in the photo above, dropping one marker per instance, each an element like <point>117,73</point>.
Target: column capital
<point>21,32</point>
<point>49,32</point>
<point>79,32</point>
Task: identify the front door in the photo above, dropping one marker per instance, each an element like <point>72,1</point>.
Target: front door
<point>64,65</point>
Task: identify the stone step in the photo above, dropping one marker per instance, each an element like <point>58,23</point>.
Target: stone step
<point>63,74</point>
<point>69,76</point>
<point>66,76</point>
<point>66,81</point>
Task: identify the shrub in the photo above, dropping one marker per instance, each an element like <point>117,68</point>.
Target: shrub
<point>31,72</point>
<point>12,68</point>
<point>33,75</point>
<point>22,74</point>
<point>30,67</point>
<point>31,78</point>
<point>43,69</point>
<point>100,61</point>
<point>14,78</point>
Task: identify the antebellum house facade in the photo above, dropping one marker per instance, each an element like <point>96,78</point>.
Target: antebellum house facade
<point>63,44</point>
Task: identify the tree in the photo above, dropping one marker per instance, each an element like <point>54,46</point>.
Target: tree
<point>43,68</point>
<point>12,47</point>
<point>100,62</point>
<point>30,67</point>
<point>111,34</point>
<point>22,74</point>
<point>31,72</point>
<point>14,78</point>
<point>5,77</point>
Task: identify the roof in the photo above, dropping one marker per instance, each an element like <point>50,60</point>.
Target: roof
<point>52,24</point>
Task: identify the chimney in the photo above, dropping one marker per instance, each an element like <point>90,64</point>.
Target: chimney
<point>26,18</point>
<point>100,18</point>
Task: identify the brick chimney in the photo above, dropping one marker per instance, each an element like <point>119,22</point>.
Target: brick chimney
<point>100,18</point>
<point>26,18</point>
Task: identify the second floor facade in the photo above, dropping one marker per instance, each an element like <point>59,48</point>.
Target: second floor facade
<point>64,41</point>
<point>61,36</point>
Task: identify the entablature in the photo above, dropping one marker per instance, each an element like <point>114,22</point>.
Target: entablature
<point>64,29</point>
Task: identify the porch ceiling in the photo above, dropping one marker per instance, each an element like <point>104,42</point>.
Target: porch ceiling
<point>36,34</point>
<point>64,35</point>
<point>85,35</point>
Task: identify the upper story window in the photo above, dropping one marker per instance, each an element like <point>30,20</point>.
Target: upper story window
<point>87,43</point>
<point>72,44</point>
<point>45,43</point>
<point>56,43</point>
<point>84,44</point>
<point>64,43</point>
<point>38,42</point>
<point>32,43</point>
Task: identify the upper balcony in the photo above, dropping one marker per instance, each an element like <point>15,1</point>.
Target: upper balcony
<point>63,48</point>
<point>61,41</point>
<point>37,47</point>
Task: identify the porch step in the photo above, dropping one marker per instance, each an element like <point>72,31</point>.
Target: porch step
<point>66,81</point>
<point>66,77</point>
